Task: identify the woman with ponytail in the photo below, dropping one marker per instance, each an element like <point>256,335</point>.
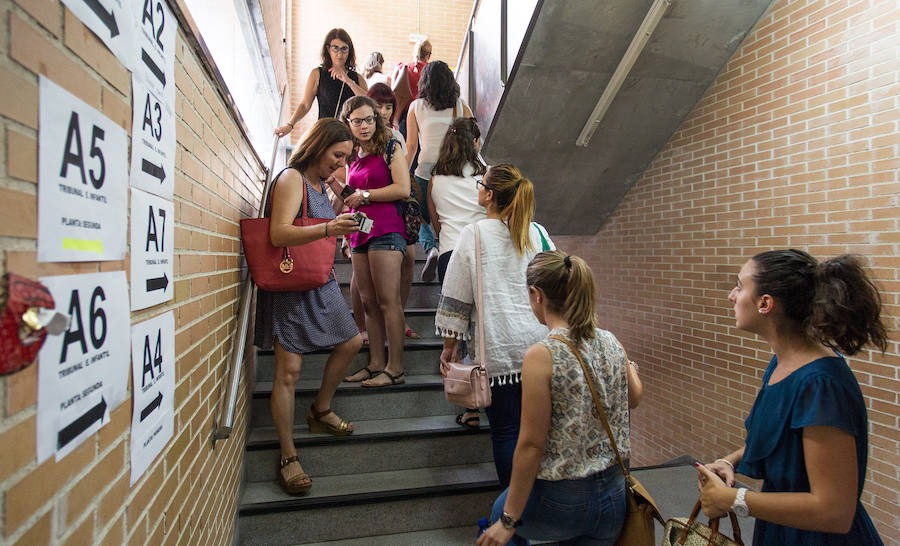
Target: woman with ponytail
<point>807,432</point>
<point>566,483</point>
<point>508,240</point>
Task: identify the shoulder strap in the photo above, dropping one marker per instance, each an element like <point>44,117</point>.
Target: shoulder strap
<point>270,190</point>
<point>600,410</point>
<point>545,246</point>
<point>390,151</point>
<point>480,299</point>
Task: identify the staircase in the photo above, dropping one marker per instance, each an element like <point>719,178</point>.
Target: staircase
<point>407,475</point>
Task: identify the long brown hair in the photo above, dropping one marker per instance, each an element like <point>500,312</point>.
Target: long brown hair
<point>322,135</point>
<point>339,34</point>
<point>382,134</point>
<point>458,149</point>
<point>568,284</point>
<point>513,194</point>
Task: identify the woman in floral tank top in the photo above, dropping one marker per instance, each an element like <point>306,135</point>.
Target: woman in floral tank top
<point>566,483</point>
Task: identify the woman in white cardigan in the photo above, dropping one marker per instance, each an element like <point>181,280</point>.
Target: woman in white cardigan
<point>509,240</point>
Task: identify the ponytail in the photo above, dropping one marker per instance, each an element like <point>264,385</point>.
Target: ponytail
<point>833,302</point>
<point>846,311</point>
<point>514,197</point>
<point>568,284</point>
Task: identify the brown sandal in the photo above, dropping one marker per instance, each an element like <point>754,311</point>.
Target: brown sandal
<point>296,484</point>
<point>317,425</point>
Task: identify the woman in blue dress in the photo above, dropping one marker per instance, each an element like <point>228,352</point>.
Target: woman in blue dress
<point>807,433</point>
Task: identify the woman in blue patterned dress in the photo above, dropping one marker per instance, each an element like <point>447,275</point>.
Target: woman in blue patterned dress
<point>294,323</point>
<point>566,483</point>
<point>807,433</point>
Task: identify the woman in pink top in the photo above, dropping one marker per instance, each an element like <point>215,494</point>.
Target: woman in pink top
<point>379,177</point>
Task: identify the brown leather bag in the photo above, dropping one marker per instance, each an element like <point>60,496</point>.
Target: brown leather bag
<point>401,88</point>
<point>638,528</point>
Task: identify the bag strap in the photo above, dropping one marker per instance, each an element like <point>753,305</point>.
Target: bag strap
<point>480,301</point>
<point>268,198</point>
<point>545,246</point>
<point>340,96</point>
<point>600,410</point>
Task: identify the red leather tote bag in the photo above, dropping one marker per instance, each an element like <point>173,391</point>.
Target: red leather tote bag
<point>288,268</point>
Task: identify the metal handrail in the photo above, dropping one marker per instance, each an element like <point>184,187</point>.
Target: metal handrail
<point>462,50</point>
<point>222,431</point>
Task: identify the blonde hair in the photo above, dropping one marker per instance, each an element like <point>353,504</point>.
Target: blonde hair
<point>419,50</point>
<point>513,194</point>
<point>568,284</point>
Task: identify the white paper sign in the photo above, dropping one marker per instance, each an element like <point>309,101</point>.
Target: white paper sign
<point>83,373</point>
<point>82,180</point>
<point>153,92</point>
<point>111,21</point>
<point>153,385</point>
<point>152,255</point>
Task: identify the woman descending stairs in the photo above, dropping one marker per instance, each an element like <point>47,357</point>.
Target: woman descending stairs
<point>409,474</point>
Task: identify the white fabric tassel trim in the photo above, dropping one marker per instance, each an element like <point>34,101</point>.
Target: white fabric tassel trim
<point>443,332</point>
<point>503,380</point>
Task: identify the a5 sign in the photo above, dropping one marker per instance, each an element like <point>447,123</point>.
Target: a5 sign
<point>82,173</point>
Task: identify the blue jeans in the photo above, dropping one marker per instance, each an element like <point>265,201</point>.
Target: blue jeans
<point>426,235</point>
<point>504,414</point>
<point>582,511</point>
<point>388,241</point>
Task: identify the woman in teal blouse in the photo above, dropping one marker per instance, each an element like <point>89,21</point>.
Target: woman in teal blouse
<point>807,433</point>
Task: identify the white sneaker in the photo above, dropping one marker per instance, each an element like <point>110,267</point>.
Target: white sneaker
<point>429,272</point>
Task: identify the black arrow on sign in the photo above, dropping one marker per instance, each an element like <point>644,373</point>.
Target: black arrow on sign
<point>154,170</point>
<point>152,66</point>
<point>151,406</point>
<point>157,283</point>
<point>108,18</point>
<point>81,424</point>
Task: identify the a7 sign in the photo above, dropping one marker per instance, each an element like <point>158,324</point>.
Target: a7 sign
<point>152,253</point>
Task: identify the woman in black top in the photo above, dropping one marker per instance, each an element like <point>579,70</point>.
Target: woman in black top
<point>332,83</point>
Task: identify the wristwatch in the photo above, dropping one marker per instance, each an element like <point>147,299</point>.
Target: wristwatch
<point>739,506</point>
<point>508,521</point>
<point>365,196</point>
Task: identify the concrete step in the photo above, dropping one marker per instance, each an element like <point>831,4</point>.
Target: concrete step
<point>420,396</point>
<point>421,294</point>
<point>451,536</point>
<point>367,504</point>
<point>375,445</point>
<point>420,356</point>
<point>343,268</point>
<point>422,321</point>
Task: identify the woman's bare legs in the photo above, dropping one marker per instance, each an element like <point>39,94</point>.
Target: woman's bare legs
<point>384,268</point>
<point>335,369</point>
<point>287,372</point>
<point>406,278</point>
<point>374,320</point>
<point>359,312</point>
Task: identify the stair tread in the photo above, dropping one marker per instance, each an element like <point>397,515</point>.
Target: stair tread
<point>450,536</point>
<point>328,490</point>
<point>413,382</point>
<point>264,437</point>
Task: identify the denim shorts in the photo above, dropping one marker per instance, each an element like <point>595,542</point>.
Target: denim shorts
<point>388,241</point>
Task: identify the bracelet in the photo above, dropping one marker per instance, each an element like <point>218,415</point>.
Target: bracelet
<point>636,367</point>
<point>290,123</point>
<point>326,230</point>
<point>726,461</point>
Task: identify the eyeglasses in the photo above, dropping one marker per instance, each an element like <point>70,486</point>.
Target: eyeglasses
<point>357,122</point>
<point>482,184</point>
<point>339,49</point>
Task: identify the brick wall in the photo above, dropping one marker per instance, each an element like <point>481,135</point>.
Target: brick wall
<point>189,494</point>
<point>373,26</point>
<point>794,145</point>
